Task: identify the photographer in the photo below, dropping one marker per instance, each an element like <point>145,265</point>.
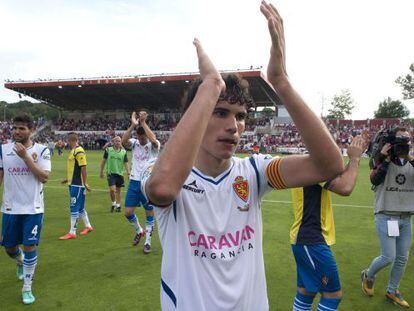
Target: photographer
<point>393,180</point>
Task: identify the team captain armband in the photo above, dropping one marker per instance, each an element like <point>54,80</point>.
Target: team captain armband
<point>274,176</point>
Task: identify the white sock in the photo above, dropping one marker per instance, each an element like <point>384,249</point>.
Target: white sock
<point>148,233</point>
<point>73,222</point>
<point>114,203</point>
<point>29,266</point>
<point>84,216</point>
<point>118,204</point>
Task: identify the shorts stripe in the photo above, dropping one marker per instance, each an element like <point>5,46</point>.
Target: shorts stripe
<point>309,256</point>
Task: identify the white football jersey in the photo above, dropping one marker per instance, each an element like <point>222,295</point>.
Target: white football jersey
<point>140,157</point>
<point>211,238</point>
<point>23,192</point>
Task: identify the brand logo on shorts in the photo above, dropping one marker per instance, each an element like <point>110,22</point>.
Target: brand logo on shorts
<point>241,187</point>
<point>325,280</point>
<point>400,179</point>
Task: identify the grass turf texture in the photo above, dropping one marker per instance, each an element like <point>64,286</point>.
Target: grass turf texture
<point>102,271</point>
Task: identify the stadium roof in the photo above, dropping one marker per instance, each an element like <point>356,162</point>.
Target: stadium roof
<point>161,92</point>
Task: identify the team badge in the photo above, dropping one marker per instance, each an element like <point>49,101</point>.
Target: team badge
<point>241,187</point>
<point>34,156</point>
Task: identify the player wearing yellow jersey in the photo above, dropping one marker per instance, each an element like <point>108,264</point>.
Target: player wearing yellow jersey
<point>78,185</point>
<point>313,232</point>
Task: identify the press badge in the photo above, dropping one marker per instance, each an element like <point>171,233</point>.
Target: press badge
<point>393,229</point>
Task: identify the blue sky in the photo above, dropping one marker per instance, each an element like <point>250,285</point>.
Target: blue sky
<point>331,45</point>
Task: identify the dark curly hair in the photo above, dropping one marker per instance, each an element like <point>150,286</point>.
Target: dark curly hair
<point>25,119</point>
<point>237,92</point>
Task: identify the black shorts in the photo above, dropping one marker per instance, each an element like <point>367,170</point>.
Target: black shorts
<point>116,180</point>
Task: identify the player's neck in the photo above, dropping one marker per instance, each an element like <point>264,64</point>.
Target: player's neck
<point>210,165</point>
<point>28,143</point>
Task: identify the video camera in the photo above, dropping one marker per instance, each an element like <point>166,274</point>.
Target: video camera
<point>400,145</point>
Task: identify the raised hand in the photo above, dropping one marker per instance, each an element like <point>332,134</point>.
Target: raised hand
<point>134,120</point>
<point>207,69</point>
<point>357,147</point>
<point>276,69</point>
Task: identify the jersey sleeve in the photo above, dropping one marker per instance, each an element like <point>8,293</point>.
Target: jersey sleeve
<point>44,160</point>
<point>145,175</point>
<point>105,156</point>
<point>267,170</point>
<point>80,156</point>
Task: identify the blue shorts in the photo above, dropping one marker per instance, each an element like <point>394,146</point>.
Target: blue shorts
<point>316,268</point>
<point>21,229</point>
<point>77,198</point>
<point>135,197</point>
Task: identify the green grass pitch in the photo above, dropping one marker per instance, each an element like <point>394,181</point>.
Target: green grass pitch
<point>102,271</point>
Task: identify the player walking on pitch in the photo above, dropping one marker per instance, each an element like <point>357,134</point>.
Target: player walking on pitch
<point>313,232</point>
<point>115,161</point>
<point>208,202</point>
<point>144,149</point>
<point>78,185</point>
<point>24,167</point>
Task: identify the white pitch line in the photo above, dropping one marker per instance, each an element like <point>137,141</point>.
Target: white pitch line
<point>59,179</point>
<point>266,201</point>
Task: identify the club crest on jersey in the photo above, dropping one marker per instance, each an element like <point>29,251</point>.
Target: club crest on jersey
<point>241,187</point>
<point>34,156</point>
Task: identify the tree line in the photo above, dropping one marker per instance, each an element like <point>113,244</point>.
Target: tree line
<point>342,104</point>
<point>37,110</point>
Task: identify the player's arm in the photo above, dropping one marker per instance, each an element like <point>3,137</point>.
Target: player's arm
<point>1,175</point>
<point>41,174</point>
<point>126,165</point>
<point>85,178</point>
<point>127,134</point>
<point>150,134</point>
<point>103,162</point>
<point>177,159</point>
<point>344,184</point>
<point>80,157</point>
<point>324,160</point>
